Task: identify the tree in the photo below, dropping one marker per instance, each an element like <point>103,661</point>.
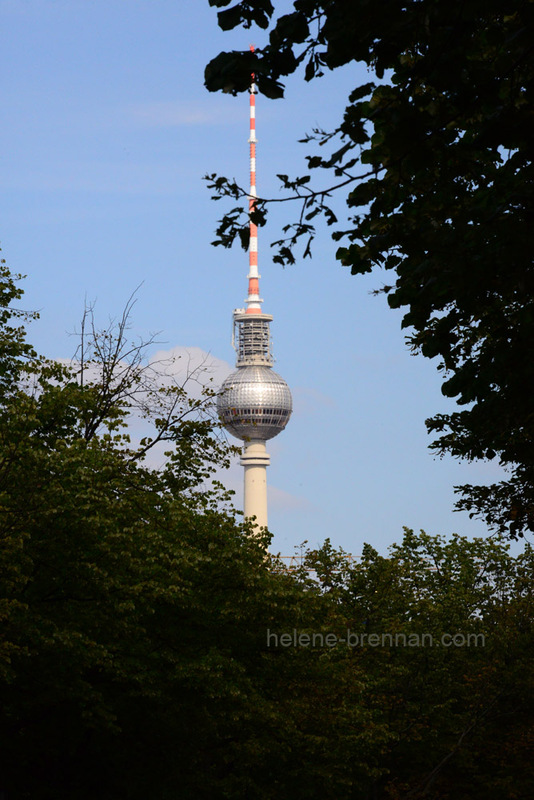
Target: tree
<point>135,607</point>
<point>436,158</point>
<point>441,634</point>
<point>14,349</point>
<point>141,649</point>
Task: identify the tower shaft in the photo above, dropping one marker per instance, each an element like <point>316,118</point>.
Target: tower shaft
<point>255,461</point>
<point>255,402</point>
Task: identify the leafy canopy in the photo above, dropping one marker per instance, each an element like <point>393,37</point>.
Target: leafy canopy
<point>137,619</point>
<point>435,157</point>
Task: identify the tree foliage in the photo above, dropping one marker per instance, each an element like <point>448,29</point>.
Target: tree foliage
<point>435,156</point>
<point>141,649</point>
<point>14,349</point>
<point>133,603</point>
<point>441,636</point>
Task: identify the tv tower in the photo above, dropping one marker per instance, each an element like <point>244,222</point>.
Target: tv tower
<point>254,403</point>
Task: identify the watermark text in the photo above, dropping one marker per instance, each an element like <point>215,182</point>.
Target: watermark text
<point>297,638</point>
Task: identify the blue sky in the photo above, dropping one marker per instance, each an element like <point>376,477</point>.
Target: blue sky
<point>107,131</point>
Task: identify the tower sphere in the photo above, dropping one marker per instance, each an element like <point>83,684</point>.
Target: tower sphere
<point>254,403</point>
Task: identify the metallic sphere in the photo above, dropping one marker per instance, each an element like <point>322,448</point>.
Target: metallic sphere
<point>254,403</point>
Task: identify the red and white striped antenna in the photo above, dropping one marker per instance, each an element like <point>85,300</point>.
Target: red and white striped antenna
<point>253,300</point>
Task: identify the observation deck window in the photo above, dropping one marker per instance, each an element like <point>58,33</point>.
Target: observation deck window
<point>253,342</point>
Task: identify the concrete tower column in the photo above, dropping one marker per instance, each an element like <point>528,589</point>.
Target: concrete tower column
<point>255,460</point>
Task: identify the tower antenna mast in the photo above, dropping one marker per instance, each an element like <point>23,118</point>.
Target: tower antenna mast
<point>253,300</point>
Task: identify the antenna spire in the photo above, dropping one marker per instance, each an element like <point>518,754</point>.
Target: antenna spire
<point>253,300</point>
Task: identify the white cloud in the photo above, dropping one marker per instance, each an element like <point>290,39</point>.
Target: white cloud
<point>112,177</point>
<point>191,364</point>
<point>308,401</point>
<point>280,500</point>
<point>175,114</point>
